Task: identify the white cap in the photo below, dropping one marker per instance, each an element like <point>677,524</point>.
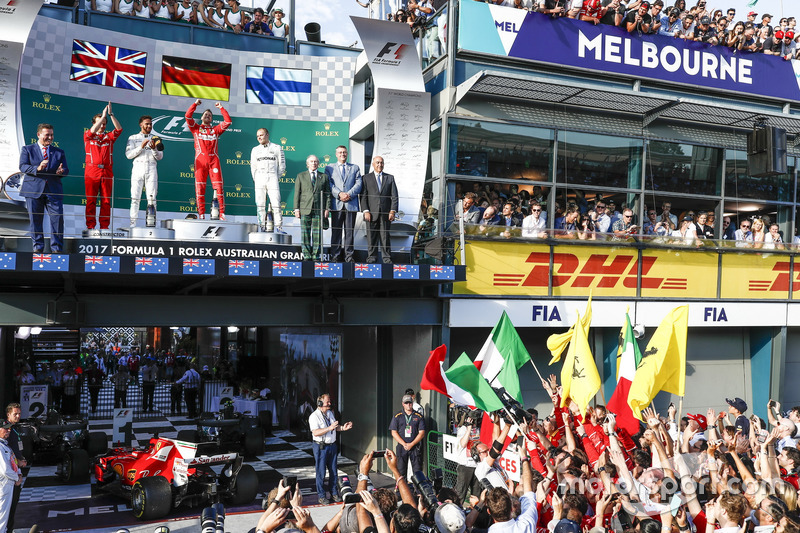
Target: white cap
<point>450,518</point>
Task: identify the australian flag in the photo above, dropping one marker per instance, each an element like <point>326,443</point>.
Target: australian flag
<point>8,261</point>
<point>327,270</point>
<point>50,262</point>
<point>198,266</point>
<point>406,271</point>
<point>368,270</point>
<point>287,269</point>
<point>447,272</point>
<point>101,64</point>
<point>101,263</point>
<point>151,265</point>
<point>238,267</point>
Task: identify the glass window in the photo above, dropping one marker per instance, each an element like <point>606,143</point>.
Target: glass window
<point>738,184</point>
<point>678,167</point>
<point>599,160</point>
<point>489,149</point>
<point>760,214</point>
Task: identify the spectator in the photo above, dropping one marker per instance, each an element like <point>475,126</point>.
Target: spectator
<point>737,407</point>
<point>488,471</point>
<point>94,380</point>
<point>639,20</point>
<point>655,227</point>
<point>72,392</point>
<point>191,379</point>
<point>124,7</point>
<point>773,239</point>
<point>121,379</point>
<point>766,19</point>
<point>233,17</point>
<point>687,31</point>
<point>163,10</point>
<point>602,223</point>
<point>734,36</point>
<point>470,213</point>
<point>702,228</point>
<point>175,398</point>
<point>704,33</point>
<point>555,8</point>
<point>671,22</point>
<point>721,30</point>
<point>149,378</point>
<point>467,435</point>
<point>655,14</point>
<point>489,219</point>
<point>613,14</point>
<point>214,17</point>
<point>728,230</point>
<point>625,226</point>
<point>277,26</point>
<point>747,41</point>
<point>258,25</point>
<point>592,11</point>
<point>533,226</point>
<point>743,235</point>
<point>186,11</point>
<point>566,226</point>
<point>758,232</point>
<point>686,232</point>
<point>103,6</point>
<point>731,14</point>
<point>422,10</point>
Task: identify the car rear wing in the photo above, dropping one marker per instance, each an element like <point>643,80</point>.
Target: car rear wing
<point>222,458</point>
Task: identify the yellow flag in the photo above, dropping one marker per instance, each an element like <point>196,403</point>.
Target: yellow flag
<point>579,377</point>
<point>557,342</point>
<point>663,365</point>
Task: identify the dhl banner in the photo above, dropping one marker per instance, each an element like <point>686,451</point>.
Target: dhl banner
<point>762,276</point>
<point>522,269</point>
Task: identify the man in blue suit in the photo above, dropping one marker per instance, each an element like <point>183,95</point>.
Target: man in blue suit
<point>43,165</point>
<point>346,184</point>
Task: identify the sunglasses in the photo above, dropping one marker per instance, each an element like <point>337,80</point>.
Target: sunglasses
<point>601,207</point>
<point>536,210</point>
<point>746,226</point>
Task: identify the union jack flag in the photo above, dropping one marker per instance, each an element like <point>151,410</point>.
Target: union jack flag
<point>102,64</point>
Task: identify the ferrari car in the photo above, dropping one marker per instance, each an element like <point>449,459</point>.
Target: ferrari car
<point>65,441</point>
<point>169,472</point>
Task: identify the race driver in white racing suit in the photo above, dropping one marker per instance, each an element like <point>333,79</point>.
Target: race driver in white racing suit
<point>142,149</point>
<point>267,165</point>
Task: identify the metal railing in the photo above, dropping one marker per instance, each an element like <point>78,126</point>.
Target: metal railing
<point>435,454</point>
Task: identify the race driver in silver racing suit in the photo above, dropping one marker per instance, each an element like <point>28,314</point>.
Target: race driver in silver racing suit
<point>142,149</point>
<point>267,165</point>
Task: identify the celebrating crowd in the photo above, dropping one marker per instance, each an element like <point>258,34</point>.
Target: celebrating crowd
<point>209,13</point>
<point>579,471</point>
<point>519,213</point>
<point>753,33</point>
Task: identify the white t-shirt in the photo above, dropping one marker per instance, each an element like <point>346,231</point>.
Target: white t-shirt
<point>497,476</point>
<point>320,420</point>
<point>464,457</point>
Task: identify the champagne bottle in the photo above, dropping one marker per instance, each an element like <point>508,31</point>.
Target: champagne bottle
<point>150,218</point>
<point>215,207</point>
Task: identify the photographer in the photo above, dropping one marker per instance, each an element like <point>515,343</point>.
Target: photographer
<point>487,471</point>
<point>465,473</point>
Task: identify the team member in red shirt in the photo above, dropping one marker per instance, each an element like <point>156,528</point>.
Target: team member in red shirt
<point>206,160</point>
<point>99,174</point>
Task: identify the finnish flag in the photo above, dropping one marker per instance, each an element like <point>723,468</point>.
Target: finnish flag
<point>281,86</point>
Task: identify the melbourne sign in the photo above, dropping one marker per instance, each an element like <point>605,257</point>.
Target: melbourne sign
<point>567,42</point>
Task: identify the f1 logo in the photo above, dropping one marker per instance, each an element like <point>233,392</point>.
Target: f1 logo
<point>213,232</point>
<point>393,48</point>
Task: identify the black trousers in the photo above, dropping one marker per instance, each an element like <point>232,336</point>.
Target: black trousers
<point>378,230</point>
<point>120,398</point>
<point>466,480</point>
<point>190,395</point>
<point>94,394</point>
<point>342,222</point>
<point>148,390</point>
<point>13,510</point>
<point>403,456</point>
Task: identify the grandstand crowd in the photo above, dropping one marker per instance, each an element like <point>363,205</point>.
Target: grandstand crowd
<point>751,31</point>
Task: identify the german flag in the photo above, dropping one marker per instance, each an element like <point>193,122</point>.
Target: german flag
<point>196,79</point>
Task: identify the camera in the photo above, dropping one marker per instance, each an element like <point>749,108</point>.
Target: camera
<point>424,488</point>
<point>346,491</point>
<point>208,520</point>
<point>512,407</point>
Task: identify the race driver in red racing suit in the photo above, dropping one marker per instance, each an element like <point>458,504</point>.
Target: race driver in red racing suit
<point>206,160</point>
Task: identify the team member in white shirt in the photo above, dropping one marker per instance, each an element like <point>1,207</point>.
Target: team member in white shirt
<point>323,425</point>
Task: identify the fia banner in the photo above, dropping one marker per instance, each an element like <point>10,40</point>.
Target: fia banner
<point>123,427</point>
<point>33,400</point>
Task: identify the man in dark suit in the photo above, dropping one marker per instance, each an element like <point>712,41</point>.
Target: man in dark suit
<point>379,203</point>
<point>346,184</point>
<point>43,165</point>
<point>308,187</point>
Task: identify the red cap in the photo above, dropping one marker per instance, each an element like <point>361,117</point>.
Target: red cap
<point>789,34</point>
<point>752,14</point>
<point>700,419</point>
<point>779,35</point>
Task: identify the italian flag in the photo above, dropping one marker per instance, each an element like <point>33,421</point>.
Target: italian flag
<point>501,357</point>
<point>462,382</point>
<point>628,359</point>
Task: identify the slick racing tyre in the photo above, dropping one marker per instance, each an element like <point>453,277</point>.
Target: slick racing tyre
<point>75,466</point>
<point>151,498</point>
<point>246,486</point>
<point>188,435</point>
<point>96,444</point>
<point>254,442</point>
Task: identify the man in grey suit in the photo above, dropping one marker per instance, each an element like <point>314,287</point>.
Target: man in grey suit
<point>309,187</point>
<point>346,185</point>
<point>379,202</point>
